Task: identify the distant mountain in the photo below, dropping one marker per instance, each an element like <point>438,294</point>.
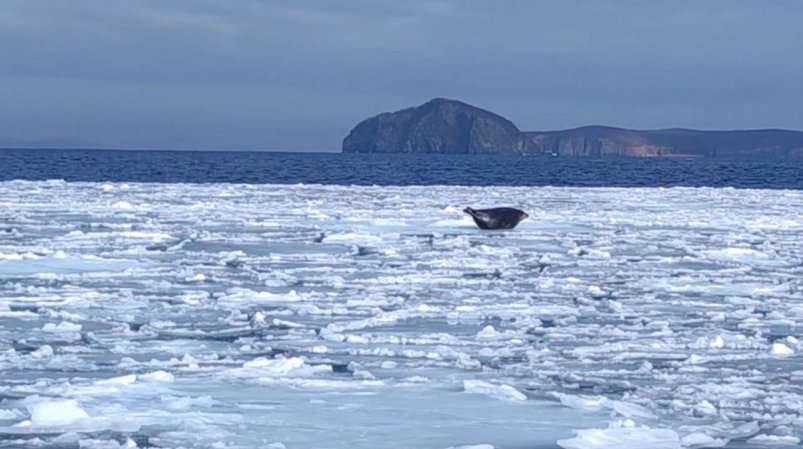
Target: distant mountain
<point>450,126</point>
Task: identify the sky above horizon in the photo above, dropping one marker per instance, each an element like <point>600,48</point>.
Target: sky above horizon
<point>298,75</point>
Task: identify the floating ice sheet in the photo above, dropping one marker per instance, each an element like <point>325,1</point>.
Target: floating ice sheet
<point>247,316</point>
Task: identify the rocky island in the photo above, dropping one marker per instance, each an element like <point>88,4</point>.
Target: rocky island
<point>453,127</point>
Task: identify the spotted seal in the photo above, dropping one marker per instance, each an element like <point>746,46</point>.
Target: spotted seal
<point>497,217</point>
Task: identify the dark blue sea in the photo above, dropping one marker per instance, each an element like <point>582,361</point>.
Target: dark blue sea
<point>396,169</point>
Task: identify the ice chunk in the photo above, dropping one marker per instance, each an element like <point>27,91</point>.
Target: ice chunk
<point>596,292</point>
<point>504,392</point>
<point>124,205</point>
<point>623,435</point>
<point>10,256</point>
<point>487,333</point>
<point>44,352</point>
<point>718,342</point>
<point>630,410</point>
<point>157,376</point>
<point>275,365</point>
<point>581,402</point>
<point>701,440</point>
<point>245,295</point>
<point>774,440</point>
<point>705,408</point>
<point>263,367</point>
<point>781,349</point>
<point>52,413</point>
<point>592,403</point>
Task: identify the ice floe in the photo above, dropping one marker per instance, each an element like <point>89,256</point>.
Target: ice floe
<point>238,316</point>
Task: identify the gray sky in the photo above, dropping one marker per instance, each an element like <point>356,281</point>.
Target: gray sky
<point>298,74</point>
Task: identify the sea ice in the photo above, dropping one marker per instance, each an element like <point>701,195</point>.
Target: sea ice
<point>179,315</point>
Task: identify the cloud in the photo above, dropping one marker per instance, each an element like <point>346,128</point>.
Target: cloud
<point>298,75</point>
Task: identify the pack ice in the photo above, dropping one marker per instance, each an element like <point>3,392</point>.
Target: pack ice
<point>245,316</point>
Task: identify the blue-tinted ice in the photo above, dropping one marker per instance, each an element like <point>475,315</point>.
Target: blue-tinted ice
<point>239,316</point>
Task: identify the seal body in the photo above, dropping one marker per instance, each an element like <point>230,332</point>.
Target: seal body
<point>496,218</point>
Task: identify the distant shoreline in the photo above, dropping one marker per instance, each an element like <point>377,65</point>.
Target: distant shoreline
<point>451,126</point>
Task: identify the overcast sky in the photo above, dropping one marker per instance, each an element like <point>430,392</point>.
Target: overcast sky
<point>299,74</point>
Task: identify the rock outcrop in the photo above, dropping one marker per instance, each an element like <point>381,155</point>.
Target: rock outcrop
<point>437,126</point>
<point>450,126</point>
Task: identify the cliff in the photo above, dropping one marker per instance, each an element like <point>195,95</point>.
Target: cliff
<point>602,141</point>
<point>450,126</point>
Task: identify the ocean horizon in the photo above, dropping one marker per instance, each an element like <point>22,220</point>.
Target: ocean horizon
<point>274,167</point>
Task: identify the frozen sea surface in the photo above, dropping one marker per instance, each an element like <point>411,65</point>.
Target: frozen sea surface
<point>239,316</point>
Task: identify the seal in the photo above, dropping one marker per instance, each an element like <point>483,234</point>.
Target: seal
<point>496,218</point>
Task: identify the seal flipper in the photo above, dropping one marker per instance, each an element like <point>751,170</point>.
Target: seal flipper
<point>481,219</point>
<point>477,214</point>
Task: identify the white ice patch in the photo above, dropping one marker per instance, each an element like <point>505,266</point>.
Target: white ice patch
<point>701,440</point>
<point>781,349</point>
<point>123,205</point>
<point>488,333</point>
<point>262,367</point>
<point>502,391</point>
<point>623,435</point>
<point>774,440</point>
<point>118,381</point>
<point>582,402</point>
<point>157,376</point>
<point>55,413</point>
<point>18,256</point>
<point>244,295</point>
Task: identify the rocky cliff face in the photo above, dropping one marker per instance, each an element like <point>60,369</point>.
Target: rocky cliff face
<point>600,141</point>
<point>449,126</point>
<point>438,126</point>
